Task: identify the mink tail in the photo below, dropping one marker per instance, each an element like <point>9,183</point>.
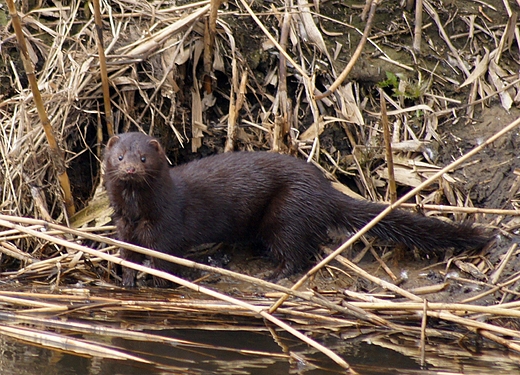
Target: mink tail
<point>410,229</point>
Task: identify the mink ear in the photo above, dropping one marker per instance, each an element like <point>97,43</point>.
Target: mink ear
<point>112,141</point>
<point>155,144</point>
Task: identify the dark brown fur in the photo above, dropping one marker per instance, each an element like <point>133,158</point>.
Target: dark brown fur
<point>275,200</point>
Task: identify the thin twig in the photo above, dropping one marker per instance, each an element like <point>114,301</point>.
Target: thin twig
<point>355,55</point>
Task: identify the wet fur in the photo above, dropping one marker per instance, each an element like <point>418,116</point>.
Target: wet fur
<point>278,201</point>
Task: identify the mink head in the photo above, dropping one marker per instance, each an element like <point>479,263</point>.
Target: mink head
<point>134,158</point>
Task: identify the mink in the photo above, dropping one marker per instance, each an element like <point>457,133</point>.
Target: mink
<point>277,201</point>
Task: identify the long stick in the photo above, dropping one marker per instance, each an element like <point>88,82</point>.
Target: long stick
<point>103,67</point>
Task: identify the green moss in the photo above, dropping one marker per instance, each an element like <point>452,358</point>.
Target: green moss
<point>412,90</point>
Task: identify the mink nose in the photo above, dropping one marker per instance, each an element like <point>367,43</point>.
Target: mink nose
<point>130,170</point>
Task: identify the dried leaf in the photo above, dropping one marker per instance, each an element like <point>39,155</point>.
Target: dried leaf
<point>403,176</point>
<point>411,145</point>
<point>471,269</point>
<point>495,72</point>
<point>349,108</point>
<point>480,69</point>
<point>311,29</point>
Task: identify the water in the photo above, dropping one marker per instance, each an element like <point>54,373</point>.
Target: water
<point>225,350</point>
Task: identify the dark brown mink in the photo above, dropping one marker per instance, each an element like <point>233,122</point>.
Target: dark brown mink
<point>278,201</point>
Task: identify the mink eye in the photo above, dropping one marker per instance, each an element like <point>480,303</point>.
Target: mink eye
<point>143,159</point>
<point>120,157</point>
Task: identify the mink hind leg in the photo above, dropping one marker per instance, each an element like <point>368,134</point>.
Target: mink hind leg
<point>289,265</point>
<point>168,267</point>
<point>291,240</point>
<point>129,274</point>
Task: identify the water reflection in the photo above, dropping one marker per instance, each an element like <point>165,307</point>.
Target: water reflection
<point>225,350</point>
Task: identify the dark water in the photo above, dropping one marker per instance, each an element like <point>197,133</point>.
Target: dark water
<point>227,352</point>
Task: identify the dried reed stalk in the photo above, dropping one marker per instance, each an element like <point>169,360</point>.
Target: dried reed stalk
<point>56,155</point>
<point>388,149</point>
<point>109,118</point>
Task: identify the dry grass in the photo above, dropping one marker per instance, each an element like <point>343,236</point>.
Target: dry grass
<point>154,54</point>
